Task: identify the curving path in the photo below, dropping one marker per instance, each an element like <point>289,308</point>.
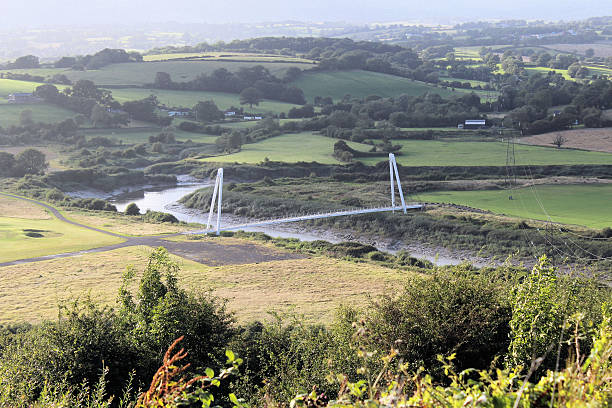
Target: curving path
<point>129,241</point>
<point>209,253</point>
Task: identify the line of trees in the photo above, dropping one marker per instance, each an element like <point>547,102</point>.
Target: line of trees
<point>221,80</point>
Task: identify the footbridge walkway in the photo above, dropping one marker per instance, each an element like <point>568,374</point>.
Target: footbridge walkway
<point>305,218</point>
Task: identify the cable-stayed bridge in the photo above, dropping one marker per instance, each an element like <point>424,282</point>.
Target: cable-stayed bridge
<point>217,198</point>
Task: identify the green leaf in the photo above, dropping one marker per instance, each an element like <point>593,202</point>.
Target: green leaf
<point>209,372</point>
<point>233,398</point>
<point>230,356</point>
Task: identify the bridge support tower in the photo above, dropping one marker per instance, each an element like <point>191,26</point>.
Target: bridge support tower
<point>394,175</point>
<point>218,197</point>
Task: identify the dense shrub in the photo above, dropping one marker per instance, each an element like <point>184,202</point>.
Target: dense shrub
<point>454,311</point>
<point>132,209</point>
<point>157,216</point>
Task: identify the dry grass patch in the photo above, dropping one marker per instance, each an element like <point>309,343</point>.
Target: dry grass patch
<point>599,140</point>
<point>13,208</point>
<point>124,225</point>
<point>313,287</point>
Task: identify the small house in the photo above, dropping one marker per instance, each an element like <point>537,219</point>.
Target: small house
<point>179,113</point>
<point>475,124</point>
<point>22,98</point>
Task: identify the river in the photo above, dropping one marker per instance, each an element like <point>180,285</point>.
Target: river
<point>165,199</point>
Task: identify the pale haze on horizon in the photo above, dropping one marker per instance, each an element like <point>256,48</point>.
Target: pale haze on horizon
<point>37,13</point>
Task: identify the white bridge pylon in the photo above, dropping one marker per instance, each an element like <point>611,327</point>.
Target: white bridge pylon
<point>393,171</point>
<point>217,199</point>
<point>216,196</point>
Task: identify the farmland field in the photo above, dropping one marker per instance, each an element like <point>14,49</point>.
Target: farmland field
<point>290,148</point>
<point>444,153</point>
<point>189,99</point>
<point>587,205</point>
<point>8,86</point>
<point>252,290</point>
<point>227,56</point>
<point>41,112</point>
<point>588,139</point>
<point>144,72</point>
<point>601,49</point>
<point>363,83</point>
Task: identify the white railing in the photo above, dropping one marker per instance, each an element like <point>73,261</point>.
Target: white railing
<point>306,218</point>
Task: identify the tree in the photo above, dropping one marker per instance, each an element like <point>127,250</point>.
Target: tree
<point>535,316</point>
<point>27,61</point>
<point>25,117</point>
<point>32,161</point>
<point>559,140</point>
<point>161,311</point>
<point>7,164</point>
<point>100,117</point>
<point>207,111</point>
<point>163,80</point>
<point>250,96</point>
<point>589,53</point>
<point>132,209</point>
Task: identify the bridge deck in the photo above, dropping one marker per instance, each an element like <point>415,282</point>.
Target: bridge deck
<point>307,217</point>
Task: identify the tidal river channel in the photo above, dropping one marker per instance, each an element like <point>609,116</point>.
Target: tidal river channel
<point>165,199</point>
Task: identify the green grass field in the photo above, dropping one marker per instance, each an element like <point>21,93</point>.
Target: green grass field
<point>364,83</point>
<point>8,86</point>
<point>587,205</point>
<point>360,84</point>
<point>545,70</point>
<point>189,99</point>
<point>444,153</point>
<point>58,237</point>
<point>290,148</point>
<point>41,112</point>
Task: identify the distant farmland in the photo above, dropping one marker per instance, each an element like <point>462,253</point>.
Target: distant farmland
<point>360,84</point>
<point>456,153</point>
<point>181,71</point>
<point>228,56</point>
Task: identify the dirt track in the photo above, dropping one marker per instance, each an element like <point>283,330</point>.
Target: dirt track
<point>207,253</point>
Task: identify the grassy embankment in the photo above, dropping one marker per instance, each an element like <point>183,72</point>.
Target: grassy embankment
<point>313,287</point>
<point>47,234</point>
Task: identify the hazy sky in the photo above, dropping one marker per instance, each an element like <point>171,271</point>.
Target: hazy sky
<point>30,13</point>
